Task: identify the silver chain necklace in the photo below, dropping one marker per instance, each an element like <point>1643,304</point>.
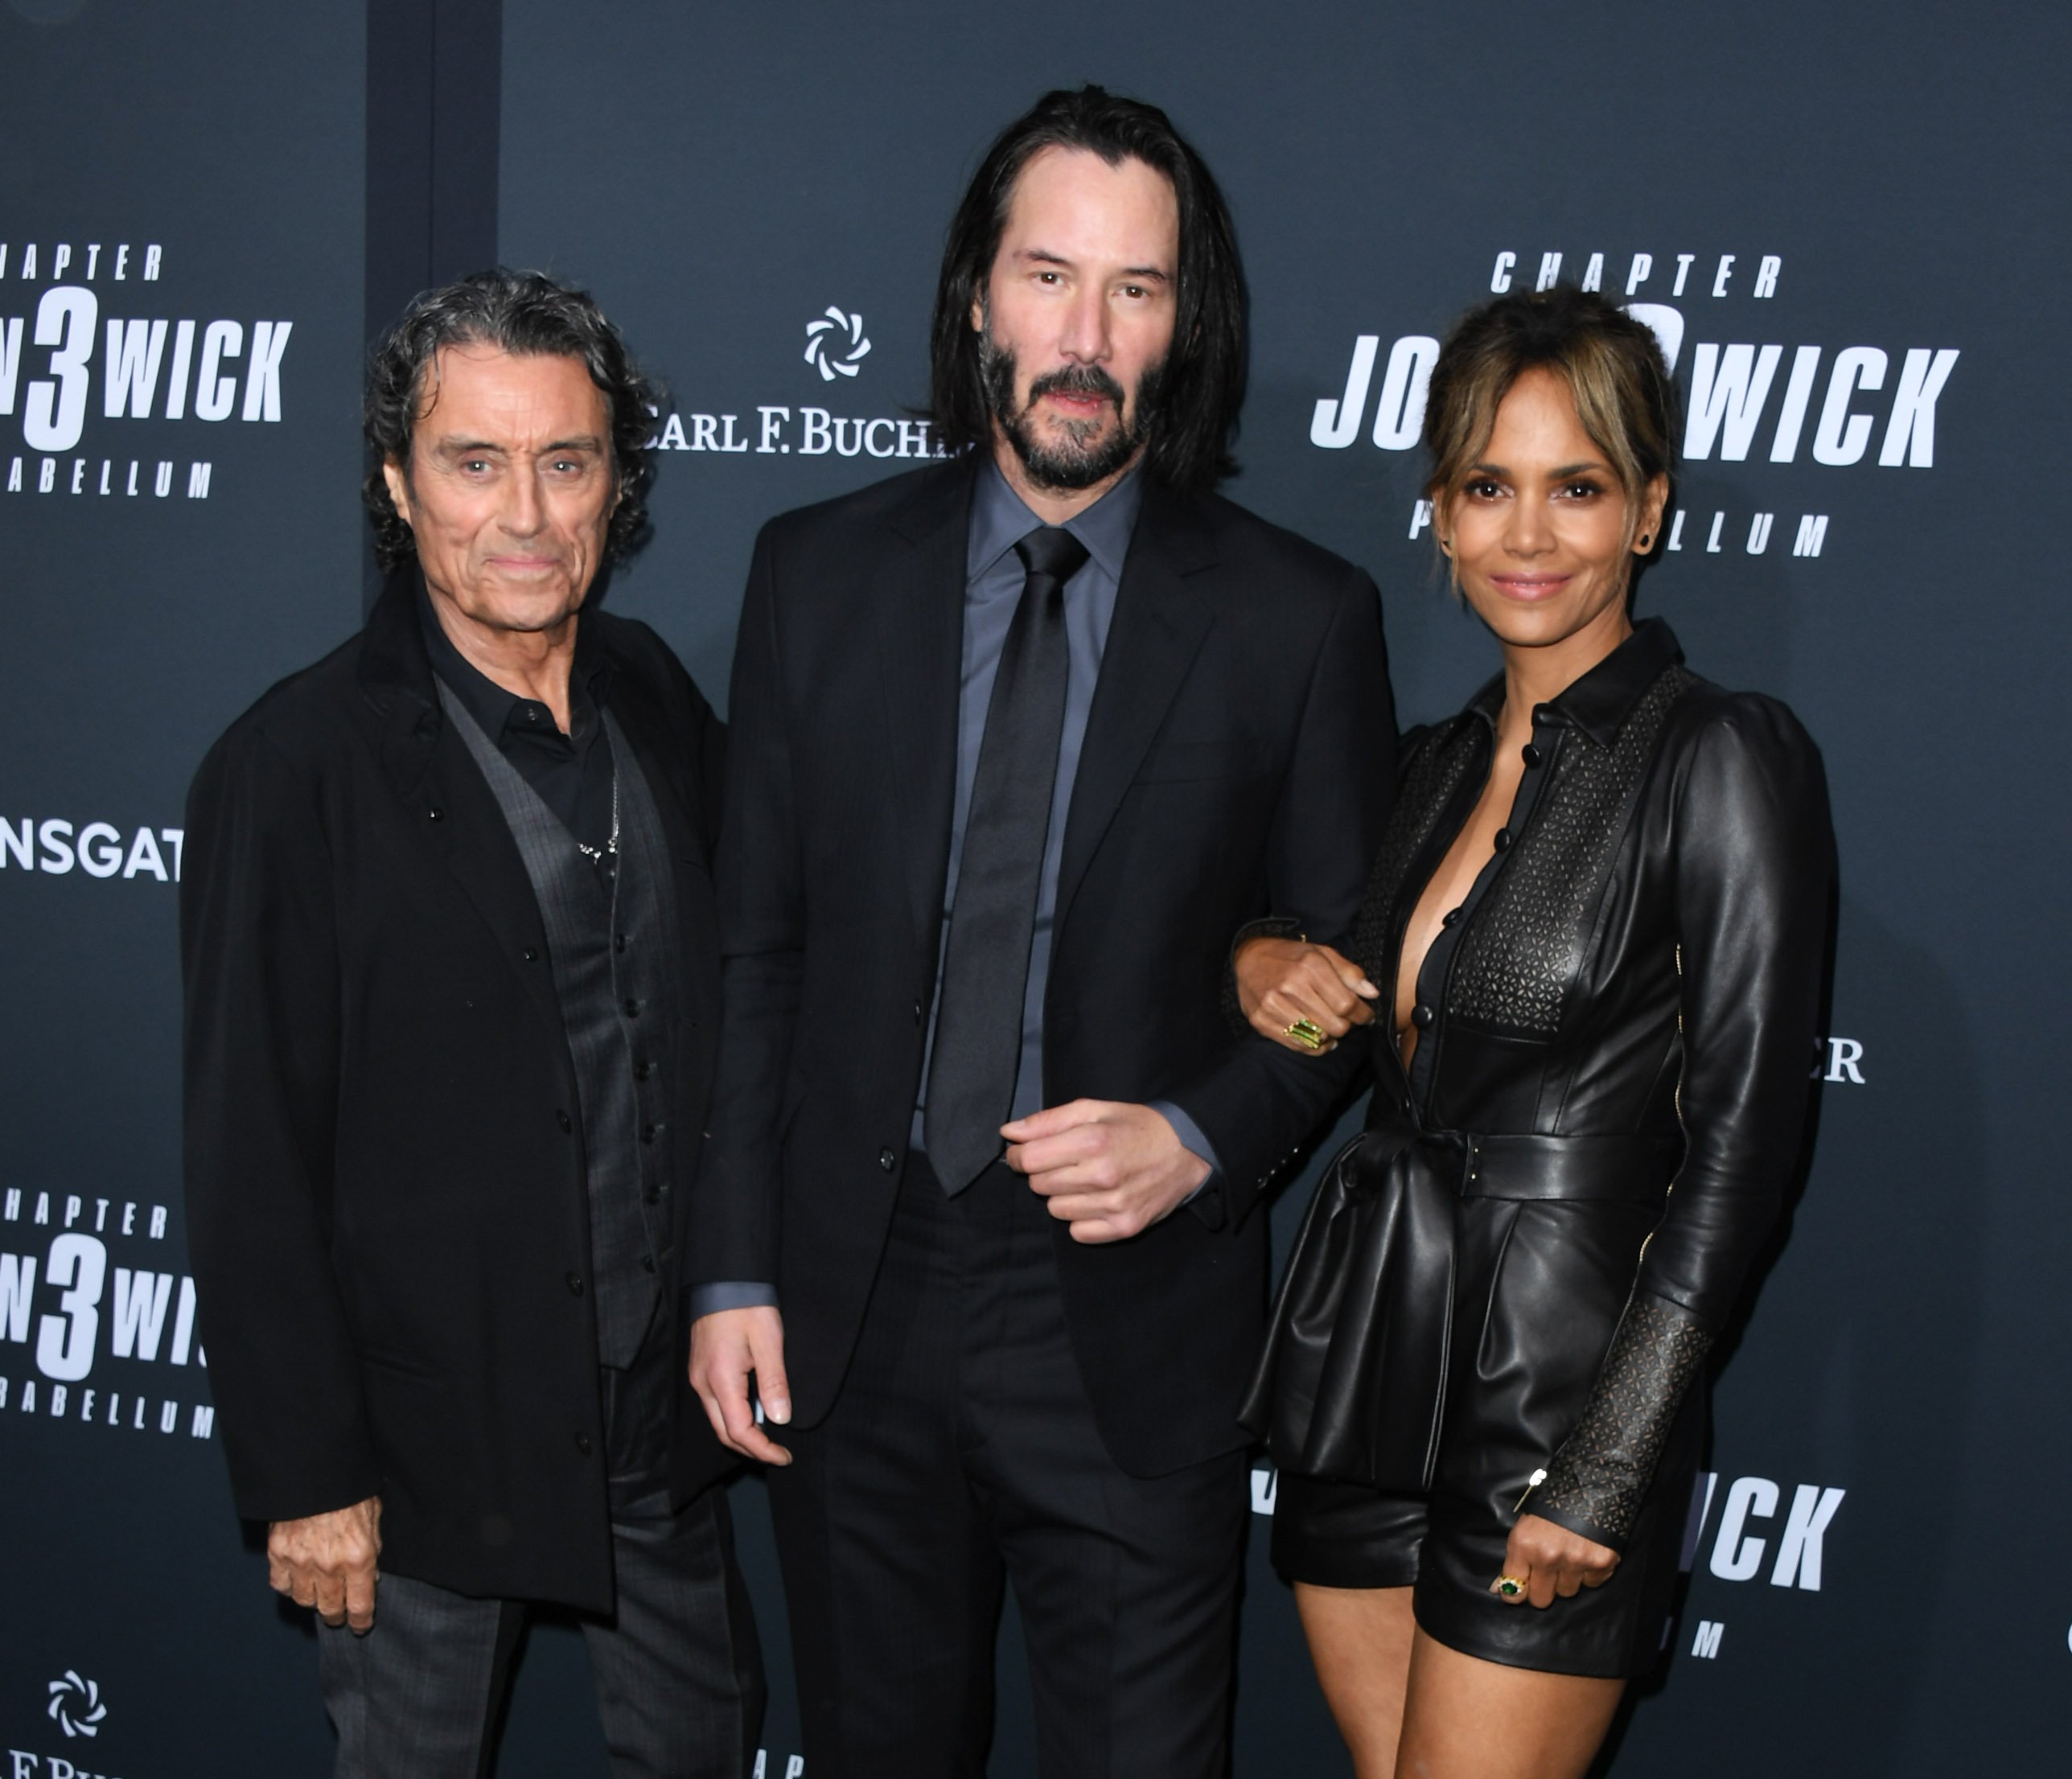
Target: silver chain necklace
<point>611,846</point>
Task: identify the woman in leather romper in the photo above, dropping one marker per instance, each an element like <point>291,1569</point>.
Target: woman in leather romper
<point>1597,927</point>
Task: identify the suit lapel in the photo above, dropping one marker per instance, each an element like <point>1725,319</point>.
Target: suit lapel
<point>1160,622</point>
<point>916,600</point>
<point>430,770</point>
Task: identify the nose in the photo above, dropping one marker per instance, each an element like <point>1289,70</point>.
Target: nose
<point>523,509</point>
<point>1084,336</point>
<point>1526,531</point>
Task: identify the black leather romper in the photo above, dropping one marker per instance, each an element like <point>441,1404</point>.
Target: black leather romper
<point>1616,1040</point>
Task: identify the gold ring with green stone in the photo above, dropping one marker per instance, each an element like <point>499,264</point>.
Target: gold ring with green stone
<point>1308,1033</point>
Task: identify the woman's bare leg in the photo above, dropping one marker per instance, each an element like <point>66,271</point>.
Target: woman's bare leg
<point>1360,1640</point>
<point>1464,1718</point>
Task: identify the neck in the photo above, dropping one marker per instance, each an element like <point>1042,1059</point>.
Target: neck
<point>1053,506</point>
<point>528,663</point>
<point>1534,676</point>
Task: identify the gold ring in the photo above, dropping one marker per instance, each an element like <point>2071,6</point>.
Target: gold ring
<point>1510,1587</point>
<point>1308,1033</point>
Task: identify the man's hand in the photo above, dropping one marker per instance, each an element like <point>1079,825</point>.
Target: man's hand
<point>1109,1170</point>
<point>727,1348</point>
<point>327,1561</point>
<point>1552,1560</point>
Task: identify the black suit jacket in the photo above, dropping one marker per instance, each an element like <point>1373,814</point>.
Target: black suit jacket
<point>384,1174</point>
<point>1238,757</point>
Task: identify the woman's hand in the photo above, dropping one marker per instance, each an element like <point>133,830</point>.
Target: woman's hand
<point>1549,1559</point>
<point>1283,982</point>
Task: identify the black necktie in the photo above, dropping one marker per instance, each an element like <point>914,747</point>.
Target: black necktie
<point>986,970</point>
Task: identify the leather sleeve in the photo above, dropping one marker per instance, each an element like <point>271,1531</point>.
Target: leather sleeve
<point>733,1212</point>
<point>1753,873</point>
<point>1752,876</point>
<point>260,962</point>
<point>1599,1477</point>
<point>1259,1102</point>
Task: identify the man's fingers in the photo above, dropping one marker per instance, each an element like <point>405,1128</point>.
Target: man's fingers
<point>359,1586</point>
<point>1054,1121</point>
<point>330,1599</point>
<point>772,1387</point>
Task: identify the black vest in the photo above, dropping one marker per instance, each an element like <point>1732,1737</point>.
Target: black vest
<point>611,942</point>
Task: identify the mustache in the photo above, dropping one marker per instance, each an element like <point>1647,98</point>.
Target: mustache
<point>1077,379</point>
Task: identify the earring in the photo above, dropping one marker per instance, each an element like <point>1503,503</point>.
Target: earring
<point>1645,540</point>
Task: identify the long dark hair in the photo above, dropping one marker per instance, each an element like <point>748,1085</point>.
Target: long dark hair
<point>1203,386</point>
<point>528,315</point>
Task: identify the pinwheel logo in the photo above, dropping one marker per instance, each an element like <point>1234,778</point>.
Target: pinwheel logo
<point>75,1706</point>
<point>835,345</point>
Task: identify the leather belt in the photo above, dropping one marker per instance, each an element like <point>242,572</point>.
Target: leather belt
<point>1619,1169</point>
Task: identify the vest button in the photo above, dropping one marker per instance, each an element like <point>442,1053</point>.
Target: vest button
<point>647,1263</point>
<point>565,1121</point>
<point>920,1012</point>
<point>1532,755</point>
<point>530,954</point>
<point>643,1069</point>
<point>582,1444</point>
<point>632,1008</point>
<point>575,1284</point>
<point>1503,839</point>
<point>887,1160</point>
<point>435,814</point>
<point>647,1132</point>
<point>1450,917</point>
<point>1421,1017</point>
<point>619,941</point>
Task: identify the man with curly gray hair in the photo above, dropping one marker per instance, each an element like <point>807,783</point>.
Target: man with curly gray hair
<point>452,983</point>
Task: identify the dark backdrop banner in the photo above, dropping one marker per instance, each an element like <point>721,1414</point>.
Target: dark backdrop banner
<point>1845,224</point>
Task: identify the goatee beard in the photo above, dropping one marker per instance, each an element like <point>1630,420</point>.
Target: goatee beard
<point>1085,455</point>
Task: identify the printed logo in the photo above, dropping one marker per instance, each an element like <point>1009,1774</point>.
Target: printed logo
<point>75,1706</point>
<point>91,352</point>
<point>836,333</point>
<point>1778,402</point>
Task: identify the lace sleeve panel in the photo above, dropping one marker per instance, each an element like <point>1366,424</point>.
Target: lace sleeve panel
<point>1598,1479</point>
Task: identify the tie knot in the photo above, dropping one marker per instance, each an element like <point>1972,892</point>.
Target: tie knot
<point>1051,551</point>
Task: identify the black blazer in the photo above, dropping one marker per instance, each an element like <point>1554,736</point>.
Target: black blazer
<point>385,1196</point>
<point>1238,753</point>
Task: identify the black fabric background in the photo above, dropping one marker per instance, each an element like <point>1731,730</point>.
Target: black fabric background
<point>721,178</point>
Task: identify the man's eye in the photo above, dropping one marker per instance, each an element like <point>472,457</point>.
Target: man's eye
<point>475,465</point>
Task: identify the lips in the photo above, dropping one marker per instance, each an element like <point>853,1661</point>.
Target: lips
<point>1528,588</point>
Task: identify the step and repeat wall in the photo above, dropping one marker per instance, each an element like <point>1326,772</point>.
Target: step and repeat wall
<point>1844,221</point>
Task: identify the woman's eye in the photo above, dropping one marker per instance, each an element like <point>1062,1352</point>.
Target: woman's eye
<point>1482,489</point>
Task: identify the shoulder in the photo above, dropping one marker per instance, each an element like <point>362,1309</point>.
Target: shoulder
<point>897,501</point>
<point>1711,724</point>
<point>1241,539</point>
<point>1739,757</point>
<point>296,718</point>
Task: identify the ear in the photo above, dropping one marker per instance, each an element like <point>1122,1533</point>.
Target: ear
<point>399,488</point>
<point>1647,522</point>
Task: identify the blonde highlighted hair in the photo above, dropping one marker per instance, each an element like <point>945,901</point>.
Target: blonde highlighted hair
<point>1611,364</point>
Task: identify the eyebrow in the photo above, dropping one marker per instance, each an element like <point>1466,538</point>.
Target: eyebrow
<point>1557,475</point>
<point>1143,274</point>
<point>453,442</point>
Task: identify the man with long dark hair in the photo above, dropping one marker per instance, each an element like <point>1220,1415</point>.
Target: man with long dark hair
<point>452,977</point>
<point>1019,741</point>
